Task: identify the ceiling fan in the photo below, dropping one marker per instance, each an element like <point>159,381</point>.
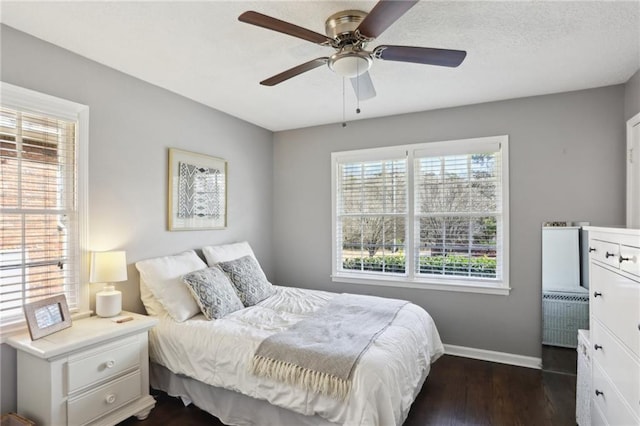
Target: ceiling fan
<point>349,32</point>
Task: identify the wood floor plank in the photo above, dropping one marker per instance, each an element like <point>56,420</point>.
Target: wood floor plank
<point>560,392</point>
<point>459,391</point>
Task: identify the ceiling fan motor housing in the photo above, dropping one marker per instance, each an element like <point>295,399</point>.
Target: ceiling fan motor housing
<point>341,25</point>
<point>350,60</point>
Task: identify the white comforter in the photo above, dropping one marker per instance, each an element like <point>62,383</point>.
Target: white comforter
<point>385,381</point>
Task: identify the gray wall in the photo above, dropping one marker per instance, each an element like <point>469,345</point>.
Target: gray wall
<point>632,96</point>
<point>566,163</point>
<point>132,124</point>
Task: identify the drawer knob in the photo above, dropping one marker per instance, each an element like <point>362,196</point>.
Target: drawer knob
<point>596,294</point>
<point>591,249</point>
<point>624,259</point>
<point>110,363</point>
<point>110,398</point>
<point>596,346</point>
<point>598,393</point>
<point>608,255</point>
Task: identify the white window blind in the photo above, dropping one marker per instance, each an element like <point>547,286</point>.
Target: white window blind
<point>458,214</point>
<point>430,215</point>
<point>39,253</point>
<point>372,216</point>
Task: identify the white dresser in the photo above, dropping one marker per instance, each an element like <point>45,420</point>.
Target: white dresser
<point>94,373</point>
<point>614,255</point>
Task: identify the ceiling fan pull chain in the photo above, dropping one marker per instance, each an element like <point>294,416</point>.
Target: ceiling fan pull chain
<point>358,88</point>
<point>344,120</point>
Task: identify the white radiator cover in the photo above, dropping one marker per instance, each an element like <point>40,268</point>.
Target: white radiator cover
<point>563,315</point>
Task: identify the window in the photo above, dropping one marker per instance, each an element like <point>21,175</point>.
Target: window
<point>431,215</point>
<point>42,141</point>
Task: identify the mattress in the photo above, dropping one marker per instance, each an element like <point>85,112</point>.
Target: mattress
<point>218,353</point>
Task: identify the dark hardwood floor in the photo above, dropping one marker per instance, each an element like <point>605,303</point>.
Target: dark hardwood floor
<point>559,360</point>
<point>462,391</point>
<point>458,391</point>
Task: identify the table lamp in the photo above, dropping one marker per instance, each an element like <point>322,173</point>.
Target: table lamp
<point>108,267</point>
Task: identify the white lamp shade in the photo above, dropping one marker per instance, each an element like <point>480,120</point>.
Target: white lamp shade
<point>108,267</point>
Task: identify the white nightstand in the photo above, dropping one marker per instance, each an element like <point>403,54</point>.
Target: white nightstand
<point>94,373</point>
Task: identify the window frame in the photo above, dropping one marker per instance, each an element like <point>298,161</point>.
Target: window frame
<point>30,101</point>
<point>498,286</point>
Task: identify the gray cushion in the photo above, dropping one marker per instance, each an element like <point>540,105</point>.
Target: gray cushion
<point>213,292</point>
<point>250,282</point>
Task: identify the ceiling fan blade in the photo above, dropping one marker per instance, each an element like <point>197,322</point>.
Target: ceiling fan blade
<point>292,72</point>
<point>421,55</point>
<point>274,24</point>
<point>363,86</point>
<point>383,14</point>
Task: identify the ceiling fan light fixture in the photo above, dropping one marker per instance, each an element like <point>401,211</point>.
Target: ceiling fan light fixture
<point>350,64</point>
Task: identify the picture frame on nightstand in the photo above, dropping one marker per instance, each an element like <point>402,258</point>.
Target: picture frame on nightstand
<point>46,316</point>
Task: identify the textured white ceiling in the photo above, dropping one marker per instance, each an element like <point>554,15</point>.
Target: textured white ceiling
<point>200,50</point>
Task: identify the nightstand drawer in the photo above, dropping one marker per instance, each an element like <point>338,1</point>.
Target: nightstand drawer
<point>88,367</point>
<point>98,402</point>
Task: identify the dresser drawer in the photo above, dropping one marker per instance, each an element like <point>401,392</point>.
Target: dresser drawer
<point>104,362</point>
<point>630,259</point>
<point>618,363</point>
<point>91,405</point>
<point>615,301</point>
<point>605,252</point>
<point>614,410</point>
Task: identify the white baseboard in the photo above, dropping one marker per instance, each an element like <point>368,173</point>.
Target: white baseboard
<point>500,357</point>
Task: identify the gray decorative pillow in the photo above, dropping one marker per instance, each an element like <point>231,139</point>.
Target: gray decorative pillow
<point>250,282</point>
<point>213,292</point>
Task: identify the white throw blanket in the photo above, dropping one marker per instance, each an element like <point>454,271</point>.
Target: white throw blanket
<point>321,352</point>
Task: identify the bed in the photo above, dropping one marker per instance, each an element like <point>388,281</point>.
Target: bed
<point>209,362</point>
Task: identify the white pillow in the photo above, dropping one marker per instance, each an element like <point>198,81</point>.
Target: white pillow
<point>227,252</point>
<point>151,304</point>
<point>163,277</point>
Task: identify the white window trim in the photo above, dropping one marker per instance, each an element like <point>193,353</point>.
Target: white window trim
<point>494,287</point>
<point>27,100</point>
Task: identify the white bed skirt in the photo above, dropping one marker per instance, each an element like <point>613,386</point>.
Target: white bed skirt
<point>230,407</point>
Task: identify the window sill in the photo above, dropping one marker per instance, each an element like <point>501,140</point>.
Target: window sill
<point>20,327</point>
<point>499,290</point>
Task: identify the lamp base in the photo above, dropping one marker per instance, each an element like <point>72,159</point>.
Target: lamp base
<point>108,302</point>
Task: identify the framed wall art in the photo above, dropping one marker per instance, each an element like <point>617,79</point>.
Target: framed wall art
<point>197,191</point>
<point>46,316</point>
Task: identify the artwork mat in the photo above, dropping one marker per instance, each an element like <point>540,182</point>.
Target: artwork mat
<point>36,331</point>
<point>175,223</point>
